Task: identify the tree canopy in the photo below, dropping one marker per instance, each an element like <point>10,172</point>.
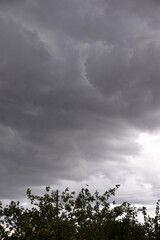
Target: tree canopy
<point>76,216</point>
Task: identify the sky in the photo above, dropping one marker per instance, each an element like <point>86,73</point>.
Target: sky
<point>80,96</point>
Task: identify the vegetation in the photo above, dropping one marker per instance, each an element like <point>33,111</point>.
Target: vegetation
<point>72,216</point>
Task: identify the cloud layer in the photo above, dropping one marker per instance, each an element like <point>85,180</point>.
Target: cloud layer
<point>79,81</point>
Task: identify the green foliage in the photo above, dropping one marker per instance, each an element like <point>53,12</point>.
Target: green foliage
<point>72,216</point>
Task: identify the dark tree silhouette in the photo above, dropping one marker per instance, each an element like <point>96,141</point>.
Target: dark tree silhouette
<point>72,216</point>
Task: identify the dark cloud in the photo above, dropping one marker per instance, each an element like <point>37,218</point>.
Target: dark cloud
<point>128,81</point>
<point>79,81</point>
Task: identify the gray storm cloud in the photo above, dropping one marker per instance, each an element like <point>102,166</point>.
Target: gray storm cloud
<point>79,80</point>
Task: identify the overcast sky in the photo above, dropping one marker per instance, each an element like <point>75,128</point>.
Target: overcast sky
<point>80,96</point>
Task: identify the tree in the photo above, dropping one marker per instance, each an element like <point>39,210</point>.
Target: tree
<point>76,217</point>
